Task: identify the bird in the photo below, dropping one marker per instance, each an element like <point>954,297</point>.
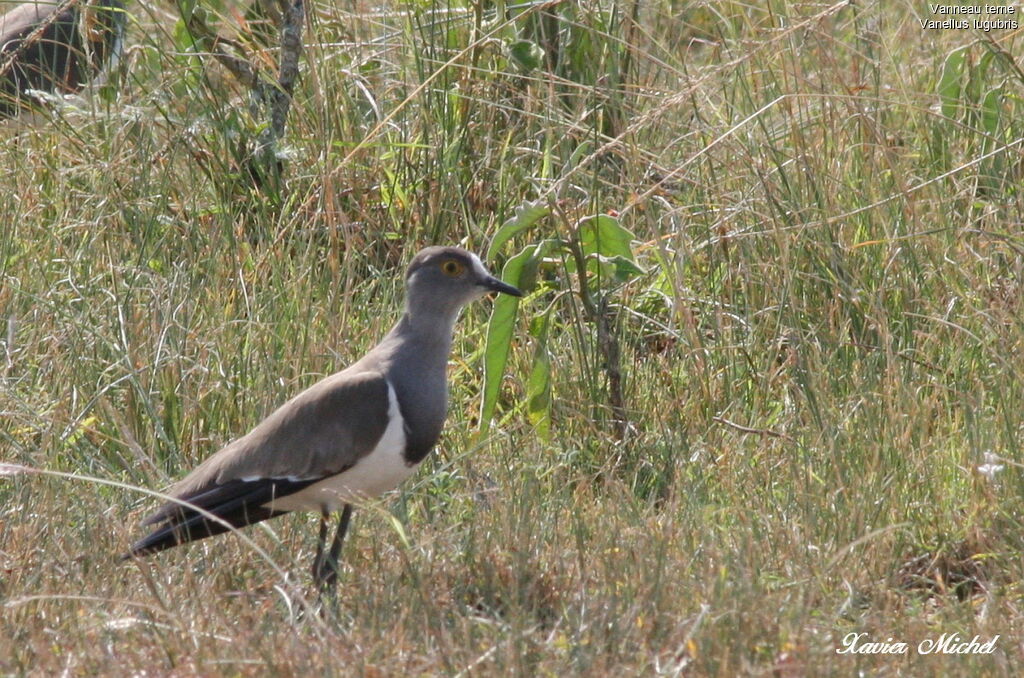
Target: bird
<point>351,436</point>
<point>56,46</point>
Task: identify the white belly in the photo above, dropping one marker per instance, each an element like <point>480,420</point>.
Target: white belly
<point>383,469</point>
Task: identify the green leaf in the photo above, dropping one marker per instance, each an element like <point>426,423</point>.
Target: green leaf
<point>949,83</point>
<point>181,36</point>
<point>581,151</point>
<point>624,268</point>
<point>499,337</point>
<point>186,48</point>
<point>607,248</point>
<point>526,55</point>
<point>990,109</point>
<point>981,71</point>
<point>526,215</point>
<point>538,389</point>
<point>521,271</point>
<point>531,269</point>
<point>604,235</point>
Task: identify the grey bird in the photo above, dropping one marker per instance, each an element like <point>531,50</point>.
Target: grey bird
<point>352,436</point>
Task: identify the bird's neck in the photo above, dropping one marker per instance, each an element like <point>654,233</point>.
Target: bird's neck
<point>431,328</point>
<point>430,319</point>
<point>417,346</point>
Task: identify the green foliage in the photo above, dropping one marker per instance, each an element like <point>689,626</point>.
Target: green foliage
<point>499,338</point>
<point>950,86</point>
<point>976,88</point>
<point>593,261</point>
<point>607,250</point>
<point>526,55</point>
<point>538,387</point>
<point>525,217</point>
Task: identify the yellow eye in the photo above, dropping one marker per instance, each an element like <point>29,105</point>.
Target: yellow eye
<point>452,268</point>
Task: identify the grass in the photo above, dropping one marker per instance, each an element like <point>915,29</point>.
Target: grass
<point>820,364</point>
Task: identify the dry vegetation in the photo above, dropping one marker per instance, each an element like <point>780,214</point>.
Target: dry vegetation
<point>820,362</point>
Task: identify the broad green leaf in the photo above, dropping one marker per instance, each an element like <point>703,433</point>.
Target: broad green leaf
<point>499,337</point>
<point>581,151</point>
<point>624,268</point>
<point>531,268</point>
<point>607,247</point>
<point>182,37</point>
<point>538,389</point>
<point>974,80</point>
<point>602,270</point>
<point>187,47</point>
<point>990,108</point>
<point>526,215</point>
<point>604,235</point>
<point>186,8</point>
<point>986,60</point>
<point>521,270</point>
<point>949,83</point>
<point>526,55</point>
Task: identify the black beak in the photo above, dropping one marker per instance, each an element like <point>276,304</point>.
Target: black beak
<point>496,285</point>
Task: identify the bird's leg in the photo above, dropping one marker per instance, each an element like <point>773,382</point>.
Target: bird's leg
<point>318,560</point>
<point>326,570</point>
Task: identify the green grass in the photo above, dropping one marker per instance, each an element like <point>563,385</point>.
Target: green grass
<point>822,350</point>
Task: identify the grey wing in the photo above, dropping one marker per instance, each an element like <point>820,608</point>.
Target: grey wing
<point>321,432</point>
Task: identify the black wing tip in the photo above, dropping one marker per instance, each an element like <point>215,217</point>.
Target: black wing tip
<point>154,518</point>
<point>159,540</point>
<point>222,508</point>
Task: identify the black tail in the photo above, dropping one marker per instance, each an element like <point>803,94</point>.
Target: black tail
<point>198,527</point>
<point>236,504</point>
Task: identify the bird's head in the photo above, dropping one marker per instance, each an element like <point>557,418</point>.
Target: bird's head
<point>448,278</point>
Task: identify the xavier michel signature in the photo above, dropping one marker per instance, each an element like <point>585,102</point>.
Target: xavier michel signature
<point>947,643</point>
